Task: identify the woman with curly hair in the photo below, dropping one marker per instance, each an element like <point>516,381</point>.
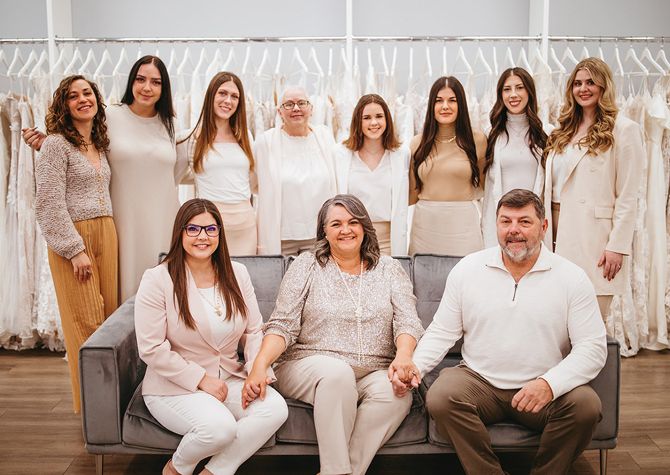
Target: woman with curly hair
<point>514,147</point>
<point>593,171</point>
<point>74,211</point>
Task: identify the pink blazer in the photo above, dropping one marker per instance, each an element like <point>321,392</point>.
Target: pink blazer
<point>177,357</point>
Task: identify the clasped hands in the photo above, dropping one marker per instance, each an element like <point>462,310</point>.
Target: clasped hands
<point>403,375</point>
<point>254,387</point>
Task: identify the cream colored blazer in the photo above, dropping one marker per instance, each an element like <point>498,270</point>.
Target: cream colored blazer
<point>599,205</point>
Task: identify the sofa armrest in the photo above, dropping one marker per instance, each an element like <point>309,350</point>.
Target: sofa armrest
<point>109,370</point>
<point>608,385</point>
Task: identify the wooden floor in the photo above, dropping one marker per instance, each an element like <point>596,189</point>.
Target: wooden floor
<point>40,435</point>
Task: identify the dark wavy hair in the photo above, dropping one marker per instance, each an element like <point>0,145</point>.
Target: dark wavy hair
<point>223,267</point>
<point>59,121</point>
<point>536,135</point>
<point>205,128</point>
<point>356,136</point>
<point>164,105</point>
<point>464,137</point>
<point>369,246</point>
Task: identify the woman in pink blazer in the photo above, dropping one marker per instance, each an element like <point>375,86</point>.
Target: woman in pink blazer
<point>191,312</point>
<point>595,158</point>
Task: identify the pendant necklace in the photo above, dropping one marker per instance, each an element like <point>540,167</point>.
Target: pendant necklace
<point>218,309</point>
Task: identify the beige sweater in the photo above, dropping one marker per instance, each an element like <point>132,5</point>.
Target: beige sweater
<point>69,189</point>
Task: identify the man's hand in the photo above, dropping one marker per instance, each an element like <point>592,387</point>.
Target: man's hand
<point>533,396</point>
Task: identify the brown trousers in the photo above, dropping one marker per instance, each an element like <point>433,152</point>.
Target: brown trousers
<point>83,306</point>
<point>462,403</point>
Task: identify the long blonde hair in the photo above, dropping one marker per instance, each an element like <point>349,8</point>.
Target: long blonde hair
<point>205,129</point>
<point>600,137</point>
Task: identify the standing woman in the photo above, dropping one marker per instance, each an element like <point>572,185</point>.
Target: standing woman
<point>74,211</point>
<point>445,176</point>
<point>295,176</point>
<point>218,150</point>
<point>514,150</point>
<point>372,165</point>
<point>191,313</point>
<point>595,157</point>
<point>145,173</point>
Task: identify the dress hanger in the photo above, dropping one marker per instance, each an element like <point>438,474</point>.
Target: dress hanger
<point>646,54</point>
<point>38,68</point>
<point>88,63</point>
<point>264,59</point>
<point>330,61</point>
<point>411,62</point>
<point>105,59</point>
<point>385,65</point>
<point>557,62</point>
<point>76,57</point>
<point>279,55</point>
<point>522,61</point>
<point>245,63</point>
<point>214,65</point>
<point>297,57</point>
<point>662,59</point>
<point>32,58</point>
<point>444,59</point>
<point>496,69</point>
<point>538,62</point>
<point>122,63</point>
<point>569,55</point>
<point>480,59</point>
<point>617,59</point>
<point>631,55</point>
<point>585,53</point>
<point>172,62</point>
<point>429,63</point>
<point>315,61</point>
<point>394,57</point>
<point>460,56</point>
<point>186,62</point>
<point>509,58</point>
<point>16,63</point>
<point>3,63</point>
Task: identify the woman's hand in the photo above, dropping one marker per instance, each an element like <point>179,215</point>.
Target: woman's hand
<point>33,137</point>
<point>611,263</point>
<point>214,386</point>
<point>405,368</point>
<point>255,386</point>
<point>82,267</point>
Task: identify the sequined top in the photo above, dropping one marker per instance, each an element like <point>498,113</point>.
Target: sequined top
<point>316,314</point>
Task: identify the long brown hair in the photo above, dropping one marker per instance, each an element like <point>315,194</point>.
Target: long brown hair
<point>59,121</point>
<point>356,136</point>
<point>536,134</point>
<point>356,208</point>
<point>205,128</point>
<point>600,136</point>
<point>464,137</point>
<point>223,267</point>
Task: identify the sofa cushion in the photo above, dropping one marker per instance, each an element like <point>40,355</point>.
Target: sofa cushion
<point>299,427</point>
<point>266,273</point>
<point>140,429</point>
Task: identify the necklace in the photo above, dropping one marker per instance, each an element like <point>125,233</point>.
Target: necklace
<point>449,140</point>
<point>216,305</point>
<point>357,303</point>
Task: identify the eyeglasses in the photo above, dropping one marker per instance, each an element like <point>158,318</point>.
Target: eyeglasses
<point>193,230</point>
<point>290,105</point>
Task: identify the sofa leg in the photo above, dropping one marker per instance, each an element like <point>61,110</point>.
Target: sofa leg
<point>99,464</point>
<point>603,461</point>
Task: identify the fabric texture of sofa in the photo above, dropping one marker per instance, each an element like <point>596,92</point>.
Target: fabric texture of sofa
<point>116,421</point>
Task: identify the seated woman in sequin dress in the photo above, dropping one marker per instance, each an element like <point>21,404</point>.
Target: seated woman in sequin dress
<point>345,320</point>
<point>191,313</point>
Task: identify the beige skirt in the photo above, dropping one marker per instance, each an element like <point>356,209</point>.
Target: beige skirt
<point>449,228</point>
<point>295,247</point>
<point>239,225</point>
<point>383,231</point>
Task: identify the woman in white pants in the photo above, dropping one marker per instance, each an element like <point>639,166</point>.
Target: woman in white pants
<point>191,312</point>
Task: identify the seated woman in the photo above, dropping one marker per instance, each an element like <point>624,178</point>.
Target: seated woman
<point>191,312</point>
<point>344,316</point>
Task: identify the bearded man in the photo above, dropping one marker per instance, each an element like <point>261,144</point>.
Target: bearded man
<point>533,338</point>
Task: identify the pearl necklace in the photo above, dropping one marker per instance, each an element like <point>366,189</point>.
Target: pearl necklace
<point>357,303</point>
<point>218,309</point>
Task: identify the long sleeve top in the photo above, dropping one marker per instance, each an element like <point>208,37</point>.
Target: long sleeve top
<point>547,325</point>
<point>69,189</point>
<point>315,312</point>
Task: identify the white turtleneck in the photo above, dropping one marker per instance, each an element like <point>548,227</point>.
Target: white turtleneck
<point>517,164</point>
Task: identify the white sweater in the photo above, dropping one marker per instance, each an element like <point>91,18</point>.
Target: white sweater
<point>547,326</point>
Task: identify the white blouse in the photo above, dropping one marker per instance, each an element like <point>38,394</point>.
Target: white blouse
<point>225,175</point>
<point>219,326</point>
<point>373,187</point>
<point>306,184</point>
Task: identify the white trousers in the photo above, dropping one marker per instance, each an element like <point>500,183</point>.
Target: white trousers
<point>225,431</point>
<point>355,411</point>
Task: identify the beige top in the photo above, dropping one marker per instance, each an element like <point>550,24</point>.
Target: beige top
<point>316,314</point>
<point>69,189</point>
<point>446,172</point>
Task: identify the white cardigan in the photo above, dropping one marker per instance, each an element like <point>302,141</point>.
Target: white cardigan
<point>399,159</point>
<point>268,155</point>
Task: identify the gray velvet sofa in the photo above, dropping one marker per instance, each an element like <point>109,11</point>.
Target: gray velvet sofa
<point>116,421</point>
